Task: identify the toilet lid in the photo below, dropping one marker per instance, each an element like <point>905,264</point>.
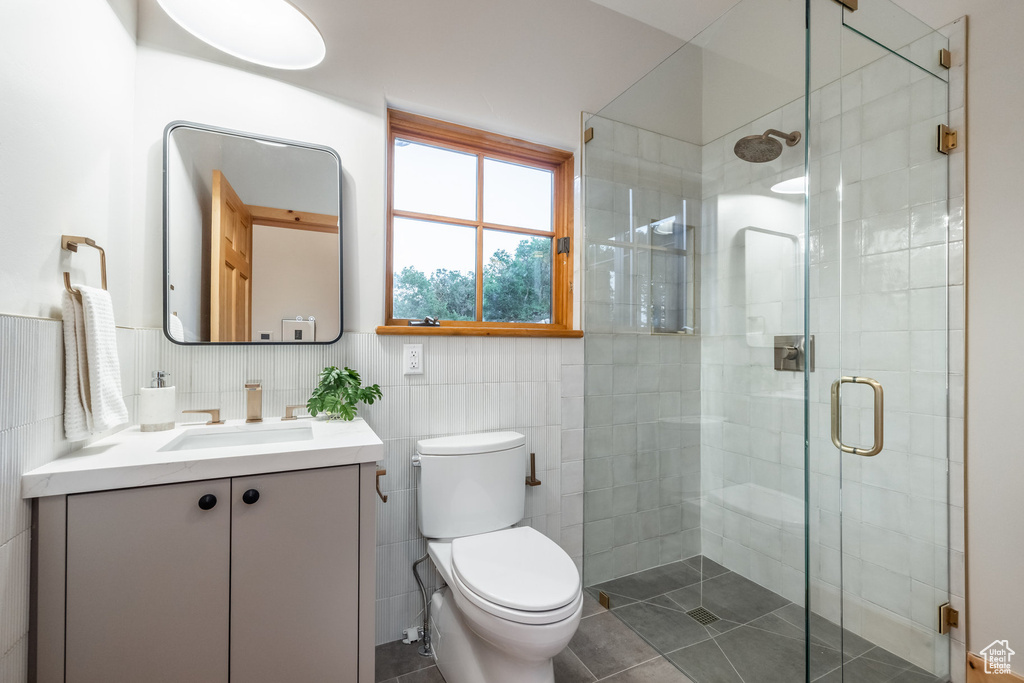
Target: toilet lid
<point>519,568</point>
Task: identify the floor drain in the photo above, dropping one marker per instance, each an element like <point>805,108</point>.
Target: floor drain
<point>702,616</point>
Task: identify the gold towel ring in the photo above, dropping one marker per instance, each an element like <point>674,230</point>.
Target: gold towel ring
<point>71,243</point>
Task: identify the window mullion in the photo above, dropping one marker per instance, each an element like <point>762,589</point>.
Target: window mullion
<point>480,237</point>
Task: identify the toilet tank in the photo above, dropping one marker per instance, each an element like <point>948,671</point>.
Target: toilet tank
<point>471,484</point>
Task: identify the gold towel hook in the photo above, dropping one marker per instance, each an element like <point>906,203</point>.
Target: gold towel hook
<point>71,243</point>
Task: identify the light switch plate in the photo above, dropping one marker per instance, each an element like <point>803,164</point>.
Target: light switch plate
<point>298,331</point>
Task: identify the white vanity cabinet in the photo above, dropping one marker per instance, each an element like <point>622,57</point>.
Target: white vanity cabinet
<point>267,577</point>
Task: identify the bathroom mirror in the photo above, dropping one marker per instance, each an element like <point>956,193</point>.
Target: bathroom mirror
<point>252,238</point>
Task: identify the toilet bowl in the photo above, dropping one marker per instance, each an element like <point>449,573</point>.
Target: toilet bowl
<point>513,598</point>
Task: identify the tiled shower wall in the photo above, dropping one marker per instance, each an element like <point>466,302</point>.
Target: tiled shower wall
<point>534,386</point>
<point>642,407</point>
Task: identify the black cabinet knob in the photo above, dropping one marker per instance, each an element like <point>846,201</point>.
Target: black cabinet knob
<point>207,502</point>
<point>250,496</point>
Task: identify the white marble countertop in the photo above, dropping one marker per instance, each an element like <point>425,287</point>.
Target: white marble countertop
<point>132,458</point>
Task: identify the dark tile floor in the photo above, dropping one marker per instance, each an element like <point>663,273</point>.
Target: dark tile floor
<point>758,637</point>
<point>647,637</point>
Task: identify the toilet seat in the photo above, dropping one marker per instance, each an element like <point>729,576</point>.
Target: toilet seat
<point>516,574</point>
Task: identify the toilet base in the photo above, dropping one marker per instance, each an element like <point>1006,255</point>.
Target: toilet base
<point>464,657</point>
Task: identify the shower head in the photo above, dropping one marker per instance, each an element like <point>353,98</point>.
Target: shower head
<point>758,149</point>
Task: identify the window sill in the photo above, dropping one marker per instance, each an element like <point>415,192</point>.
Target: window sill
<point>455,331</point>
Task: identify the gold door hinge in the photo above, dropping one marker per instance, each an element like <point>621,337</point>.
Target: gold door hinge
<point>848,4</point>
<point>588,135</point>
<point>605,601</point>
<point>945,58</point>
<point>947,139</point>
<point>948,618</point>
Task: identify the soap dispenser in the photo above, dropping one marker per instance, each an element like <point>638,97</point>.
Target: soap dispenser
<point>156,404</point>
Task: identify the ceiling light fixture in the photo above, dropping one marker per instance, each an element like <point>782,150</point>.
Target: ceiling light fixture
<point>791,186</point>
<point>272,33</point>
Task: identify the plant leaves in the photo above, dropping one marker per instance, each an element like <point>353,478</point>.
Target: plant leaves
<point>338,393</point>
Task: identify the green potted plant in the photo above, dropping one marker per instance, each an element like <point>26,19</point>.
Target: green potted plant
<point>338,394</point>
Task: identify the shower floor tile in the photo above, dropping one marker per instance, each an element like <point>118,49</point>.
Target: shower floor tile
<point>734,598</point>
<point>758,637</point>
<point>657,581</point>
<point>664,629</point>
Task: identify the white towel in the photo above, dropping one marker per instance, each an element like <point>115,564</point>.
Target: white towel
<point>76,419</point>
<point>92,394</point>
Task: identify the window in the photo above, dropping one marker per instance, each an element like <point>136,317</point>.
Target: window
<point>479,232</point>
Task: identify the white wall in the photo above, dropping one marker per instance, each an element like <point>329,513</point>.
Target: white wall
<point>189,206</point>
<point>65,166</point>
<point>995,469</point>
<point>524,68</point>
<point>170,87</point>
<point>294,272</point>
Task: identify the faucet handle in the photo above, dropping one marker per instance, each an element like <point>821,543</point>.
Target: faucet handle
<point>213,412</point>
<point>289,412</point>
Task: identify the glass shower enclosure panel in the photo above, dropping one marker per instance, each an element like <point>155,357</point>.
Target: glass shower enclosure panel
<point>765,285</point>
<point>693,287</point>
<point>878,511</point>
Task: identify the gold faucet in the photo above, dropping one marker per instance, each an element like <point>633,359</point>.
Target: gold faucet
<point>253,401</point>
<point>289,411</point>
<point>214,415</point>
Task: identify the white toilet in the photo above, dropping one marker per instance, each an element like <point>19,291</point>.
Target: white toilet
<point>513,597</point>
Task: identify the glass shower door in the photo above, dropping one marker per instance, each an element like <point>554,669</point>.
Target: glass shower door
<point>878,448</point>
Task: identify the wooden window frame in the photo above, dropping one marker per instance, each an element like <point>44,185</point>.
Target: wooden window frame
<point>493,146</point>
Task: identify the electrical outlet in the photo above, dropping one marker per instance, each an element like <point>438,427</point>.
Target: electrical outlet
<point>412,359</point>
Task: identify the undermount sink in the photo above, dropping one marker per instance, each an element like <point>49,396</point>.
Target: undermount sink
<point>239,435</point>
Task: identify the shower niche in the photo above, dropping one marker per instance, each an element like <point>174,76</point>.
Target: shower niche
<point>674,280</point>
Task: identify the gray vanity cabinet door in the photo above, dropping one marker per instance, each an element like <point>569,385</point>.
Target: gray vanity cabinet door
<point>147,584</point>
<point>295,577</point>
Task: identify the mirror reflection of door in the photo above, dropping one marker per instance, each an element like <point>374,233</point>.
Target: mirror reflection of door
<point>231,265</point>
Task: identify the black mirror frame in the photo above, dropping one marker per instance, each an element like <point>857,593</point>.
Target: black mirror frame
<point>166,241</point>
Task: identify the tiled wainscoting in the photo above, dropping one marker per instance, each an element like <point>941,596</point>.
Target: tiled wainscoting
<point>31,434</point>
<point>534,386</point>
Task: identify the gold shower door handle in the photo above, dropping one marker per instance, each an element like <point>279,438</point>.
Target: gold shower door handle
<point>837,438</point>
